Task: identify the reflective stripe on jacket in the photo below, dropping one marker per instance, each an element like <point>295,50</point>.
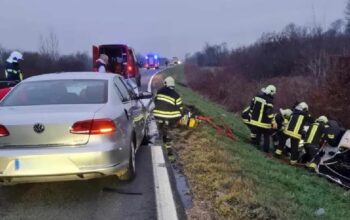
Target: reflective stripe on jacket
<point>315,133</point>
<point>168,104</point>
<point>12,71</point>
<point>246,116</point>
<point>261,111</point>
<point>296,124</point>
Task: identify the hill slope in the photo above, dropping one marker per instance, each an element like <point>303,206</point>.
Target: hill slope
<point>233,180</point>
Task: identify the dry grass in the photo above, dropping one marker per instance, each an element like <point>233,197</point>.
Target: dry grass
<point>219,187</point>
<point>232,180</point>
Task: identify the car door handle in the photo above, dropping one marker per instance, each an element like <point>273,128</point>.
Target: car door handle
<point>127,114</point>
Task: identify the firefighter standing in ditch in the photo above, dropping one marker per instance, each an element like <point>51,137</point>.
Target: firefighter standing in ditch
<point>333,134</point>
<point>314,139</point>
<point>280,121</point>
<point>12,69</point>
<point>295,130</point>
<point>261,116</point>
<point>168,110</point>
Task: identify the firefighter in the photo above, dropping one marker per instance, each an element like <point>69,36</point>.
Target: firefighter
<point>295,131</point>
<point>168,110</point>
<point>332,135</point>
<point>314,139</point>
<point>101,63</point>
<point>12,69</point>
<point>261,116</point>
<point>279,122</point>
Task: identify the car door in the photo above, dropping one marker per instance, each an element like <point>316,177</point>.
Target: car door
<point>95,56</point>
<point>133,108</point>
<point>139,107</point>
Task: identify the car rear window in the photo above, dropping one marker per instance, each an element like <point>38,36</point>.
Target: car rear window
<point>58,92</point>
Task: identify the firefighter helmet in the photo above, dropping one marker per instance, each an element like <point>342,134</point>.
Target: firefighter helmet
<point>286,112</point>
<point>14,57</point>
<point>169,82</point>
<point>323,119</point>
<point>270,90</point>
<point>104,57</point>
<point>302,106</point>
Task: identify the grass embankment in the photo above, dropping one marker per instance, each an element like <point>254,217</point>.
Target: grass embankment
<point>233,180</point>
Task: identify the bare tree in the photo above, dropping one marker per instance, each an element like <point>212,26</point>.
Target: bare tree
<point>347,17</point>
<point>49,45</point>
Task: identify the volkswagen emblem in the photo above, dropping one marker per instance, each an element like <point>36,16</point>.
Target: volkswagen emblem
<point>39,128</point>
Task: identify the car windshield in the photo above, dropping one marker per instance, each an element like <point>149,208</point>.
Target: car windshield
<point>58,92</point>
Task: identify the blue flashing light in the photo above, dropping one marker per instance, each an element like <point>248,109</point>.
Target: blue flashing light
<point>155,57</point>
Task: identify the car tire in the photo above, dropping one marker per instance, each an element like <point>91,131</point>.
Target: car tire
<point>146,139</point>
<point>130,174</point>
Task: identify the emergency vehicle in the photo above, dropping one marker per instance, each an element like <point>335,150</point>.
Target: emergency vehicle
<point>152,61</point>
<point>121,60</point>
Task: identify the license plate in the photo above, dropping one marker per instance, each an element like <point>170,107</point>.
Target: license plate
<point>17,164</point>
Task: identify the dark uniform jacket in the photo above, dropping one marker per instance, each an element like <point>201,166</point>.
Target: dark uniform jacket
<point>334,133</point>
<point>297,121</point>
<point>168,104</point>
<point>316,133</point>
<point>246,115</point>
<point>280,121</point>
<point>261,111</point>
<point>13,72</point>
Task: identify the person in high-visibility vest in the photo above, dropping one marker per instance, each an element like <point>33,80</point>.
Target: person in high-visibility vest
<point>331,136</point>
<point>314,139</point>
<point>12,69</point>
<point>168,109</point>
<point>279,122</point>
<point>295,130</point>
<point>261,116</point>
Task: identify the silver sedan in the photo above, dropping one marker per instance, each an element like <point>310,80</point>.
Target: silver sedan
<point>70,126</point>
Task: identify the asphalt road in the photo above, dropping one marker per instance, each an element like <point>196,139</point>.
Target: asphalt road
<point>106,198</point>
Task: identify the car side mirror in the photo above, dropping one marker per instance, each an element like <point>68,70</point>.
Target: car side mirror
<point>145,95</point>
<point>139,64</point>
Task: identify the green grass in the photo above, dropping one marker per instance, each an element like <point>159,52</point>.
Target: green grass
<point>288,192</point>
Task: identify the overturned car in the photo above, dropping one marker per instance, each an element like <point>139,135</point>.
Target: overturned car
<point>335,164</point>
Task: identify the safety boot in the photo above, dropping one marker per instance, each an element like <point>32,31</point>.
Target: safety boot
<point>312,166</point>
<point>169,152</point>
<point>278,153</point>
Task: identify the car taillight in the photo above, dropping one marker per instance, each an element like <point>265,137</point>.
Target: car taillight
<point>3,131</point>
<point>129,68</point>
<point>95,126</point>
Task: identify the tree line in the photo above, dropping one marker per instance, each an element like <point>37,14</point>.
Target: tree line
<point>309,64</point>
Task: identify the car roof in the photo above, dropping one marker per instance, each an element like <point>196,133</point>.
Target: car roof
<point>72,75</point>
<point>114,45</point>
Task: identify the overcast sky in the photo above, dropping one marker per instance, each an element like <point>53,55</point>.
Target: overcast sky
<point>169,27</point>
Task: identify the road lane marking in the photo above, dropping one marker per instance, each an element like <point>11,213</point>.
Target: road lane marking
<point>166,209</point>
<point>149,88</point>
